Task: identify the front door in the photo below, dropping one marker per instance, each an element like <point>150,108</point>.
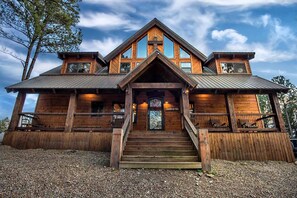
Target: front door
<point>155,114</point>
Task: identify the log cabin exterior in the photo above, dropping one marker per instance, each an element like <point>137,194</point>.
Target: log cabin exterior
<point>148,100</point>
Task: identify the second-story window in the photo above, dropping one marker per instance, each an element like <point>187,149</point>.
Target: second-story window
<point>183,53</point>
<point>186,67</point>
<point>125,67</point>
<point>168,47</point>
<point>78,67</point>
<point>127,53</point>
<point>142,48</point>
<point>233,68</point>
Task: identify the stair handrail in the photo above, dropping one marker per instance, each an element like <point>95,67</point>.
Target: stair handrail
<point>192,131</point>
<point>126,129</point>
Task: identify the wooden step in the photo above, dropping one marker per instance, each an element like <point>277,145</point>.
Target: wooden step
<point>160,158</point>
<point>159,143</point>
<point>158,147</point>
<point>160,165</point>
<point>157,138</point>
<point>169,153</point>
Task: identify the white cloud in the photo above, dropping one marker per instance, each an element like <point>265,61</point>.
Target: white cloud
<point>277,48</point>
<point>103,46</point>
<point>107,21</point>
<point>117,5</point>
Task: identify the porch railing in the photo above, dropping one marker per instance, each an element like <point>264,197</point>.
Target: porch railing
<point>256,122</point>
<point>212,121</point>
<point>47,121</point>
<point>191,129</point>
<point>95,122</point>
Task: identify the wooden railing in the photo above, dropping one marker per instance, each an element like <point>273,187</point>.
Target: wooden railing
<point>192,131</point>
<point>256,122</point>
<point>212,121</point>
<point>46,121</point>
<point>119,139</point>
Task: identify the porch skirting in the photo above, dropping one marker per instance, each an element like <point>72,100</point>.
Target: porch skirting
<point>89,141</point>
<point>251,146</point>
<point>228,146</point>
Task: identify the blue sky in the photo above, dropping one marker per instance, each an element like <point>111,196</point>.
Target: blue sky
<point>267,27</point>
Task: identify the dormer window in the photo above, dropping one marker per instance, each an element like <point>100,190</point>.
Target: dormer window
<point>233,68</point>
<point>78,67</point>
<point>183,53</point>
<point>186,67</point>
<point>125,68</point>
<point>127,53</point>
<point>142,48</point>
<point>168,47</point>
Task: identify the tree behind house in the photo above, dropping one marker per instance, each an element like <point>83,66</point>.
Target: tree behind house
<point>39,26</point>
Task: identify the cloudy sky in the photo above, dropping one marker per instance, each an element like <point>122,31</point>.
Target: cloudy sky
<point>267,27</point>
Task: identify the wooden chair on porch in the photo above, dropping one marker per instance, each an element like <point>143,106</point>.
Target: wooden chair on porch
<point>215,123</point>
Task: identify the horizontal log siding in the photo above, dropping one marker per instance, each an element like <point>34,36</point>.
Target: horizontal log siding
<point>251,146</point>
<point>59,140</point>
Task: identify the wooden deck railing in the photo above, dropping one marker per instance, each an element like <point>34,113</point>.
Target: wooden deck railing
<point>119,138</point>
<point>212,121</point>
<point>192,131</point>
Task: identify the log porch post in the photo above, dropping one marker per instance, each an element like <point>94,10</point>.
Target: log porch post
<point>128,104</point>
<point>231,112</point>
<point>116,147</point>
<point>70,113</point>
<point>275,106</point>
<point>204,150</point>
<point>184,104</point>
<point>18,107</point>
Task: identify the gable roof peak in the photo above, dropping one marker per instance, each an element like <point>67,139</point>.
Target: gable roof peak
<point>165,29</point>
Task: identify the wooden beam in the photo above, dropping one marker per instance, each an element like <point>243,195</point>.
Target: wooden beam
<point>70,113</point>
<point>204,150</point>
<point>116,147</point>
<point>185,101</point>
<point>18,107</point>
<point>231,112</point>
<point>128,103</point>
<point>279,121</point>
<point>156,85</point>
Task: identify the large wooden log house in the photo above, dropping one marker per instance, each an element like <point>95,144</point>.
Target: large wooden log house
<point>147,100</point>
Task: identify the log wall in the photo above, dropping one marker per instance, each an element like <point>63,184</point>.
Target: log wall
<point>154,32</point>
<point>59,140</point>
<point>251,146</point>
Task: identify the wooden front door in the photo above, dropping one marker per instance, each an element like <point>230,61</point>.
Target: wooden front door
<point>155,114</point>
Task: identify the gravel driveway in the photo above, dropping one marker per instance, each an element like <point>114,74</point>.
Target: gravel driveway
<point>57,173</point>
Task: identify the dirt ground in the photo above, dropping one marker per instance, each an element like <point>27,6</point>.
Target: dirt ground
<point>58,173</point>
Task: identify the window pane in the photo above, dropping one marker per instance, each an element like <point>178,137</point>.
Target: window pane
<point>183,54</point>
<point>233,68</point>
<point>127,54</point>
<point>168,47</point>
<point>125,67</point>
<point>155,103</point>
<point>142,48</point>
<point>186,67</point>
<point>78,67</point>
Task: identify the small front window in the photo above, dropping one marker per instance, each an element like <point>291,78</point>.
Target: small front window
<point>125,67</point>
<point>186,67</point>
<point>168,47</point>
<point>233,68</point>
<point>183,53</point>
<point>127,53</point>
<point>78,67</point>
<point>142,48</point>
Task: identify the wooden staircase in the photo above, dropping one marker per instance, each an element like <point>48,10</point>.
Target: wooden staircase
<point>160,149</point>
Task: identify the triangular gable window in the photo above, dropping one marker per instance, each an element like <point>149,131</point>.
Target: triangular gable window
<point>168,47</point>
<point>127,53</point>
<point>142,48</point>
<point>183,53</point>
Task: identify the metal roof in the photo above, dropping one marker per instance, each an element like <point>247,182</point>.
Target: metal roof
<point>205,82</point>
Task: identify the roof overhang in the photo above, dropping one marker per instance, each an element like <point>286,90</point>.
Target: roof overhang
<point>230,55</point>
<point>94,55</point>
<point>144,65</point>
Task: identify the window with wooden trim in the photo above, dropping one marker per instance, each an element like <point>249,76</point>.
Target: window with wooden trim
<point>127,53</point>
<point>142,48</point>
<point>186,67</point>
<point>97,107</point>
<point>233,67</point>
<point>125,68</point>
<point>183,53</point>
<point>78,67</point>
<point>168,47</point>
